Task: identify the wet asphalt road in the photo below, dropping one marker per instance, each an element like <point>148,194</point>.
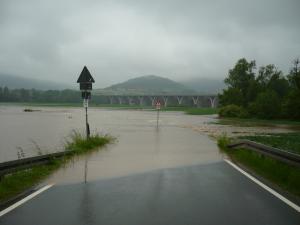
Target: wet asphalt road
<point>212,193</point>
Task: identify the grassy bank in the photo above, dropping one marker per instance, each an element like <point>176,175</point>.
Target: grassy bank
<point>201,111</point>
<point>15,183</point>
<point>286,141</point>
<point>282,175</point>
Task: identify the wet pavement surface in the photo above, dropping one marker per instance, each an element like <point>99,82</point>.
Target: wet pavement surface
<point>203,194</point>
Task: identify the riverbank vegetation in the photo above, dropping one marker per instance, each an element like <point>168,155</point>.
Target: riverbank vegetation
<point>267,94</point>
<point>280,174</point>
<point>17,182</point>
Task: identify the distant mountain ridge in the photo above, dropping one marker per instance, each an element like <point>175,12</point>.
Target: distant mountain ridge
<point>149,84</point>
<point>16,82</point>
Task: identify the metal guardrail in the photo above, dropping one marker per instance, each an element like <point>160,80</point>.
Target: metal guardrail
<point>20,164</point>
<point>276,153</point>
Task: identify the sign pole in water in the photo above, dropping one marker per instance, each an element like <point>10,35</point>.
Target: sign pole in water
<point>157,105</point>
<point>86,81</point>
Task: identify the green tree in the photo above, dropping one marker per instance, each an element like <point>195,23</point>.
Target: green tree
<point>291,107</point>
<point>279,84</point>
<point>267,105</point>
<point>242,78</point>
<point>269,77</point>
<point>262,95</point>
<point>24,95</point>
<point>1,93</point>
<point>292,103</point>
<point>294,76</point>
<point>265,74</point>
<point>6,96</point>
<point>231,96</point>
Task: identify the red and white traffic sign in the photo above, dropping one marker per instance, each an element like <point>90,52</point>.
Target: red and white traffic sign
<point>157,105</point>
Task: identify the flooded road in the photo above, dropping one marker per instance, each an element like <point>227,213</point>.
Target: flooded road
<point>143,150</point>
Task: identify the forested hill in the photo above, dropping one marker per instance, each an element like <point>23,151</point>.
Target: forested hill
<point>150,84</point>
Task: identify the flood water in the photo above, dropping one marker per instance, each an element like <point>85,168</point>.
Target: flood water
<point>180,140</point>
<point>140,146</point>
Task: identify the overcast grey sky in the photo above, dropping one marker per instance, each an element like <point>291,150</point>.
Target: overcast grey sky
<point>118,40</point>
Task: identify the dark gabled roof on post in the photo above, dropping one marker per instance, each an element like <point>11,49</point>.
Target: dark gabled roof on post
<point>85,76</point>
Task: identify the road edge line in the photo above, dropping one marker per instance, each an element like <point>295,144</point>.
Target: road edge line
<point>270,190</point>
<point>17,204</point>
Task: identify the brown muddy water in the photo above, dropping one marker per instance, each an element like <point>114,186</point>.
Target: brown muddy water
<point>180,139</point>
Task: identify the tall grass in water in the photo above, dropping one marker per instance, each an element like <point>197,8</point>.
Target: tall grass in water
<point>78,143</point>
<point>17,182</point>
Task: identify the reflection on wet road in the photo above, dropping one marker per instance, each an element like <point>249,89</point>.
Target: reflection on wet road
<point>213,193</point>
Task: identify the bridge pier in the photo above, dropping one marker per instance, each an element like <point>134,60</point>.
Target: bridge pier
<point>195,100</point>
<point>212,101</point>
<point>130,100</point>
<point>179,99</point>
<point>111,99</point>
<point>153,99</point>
<point>165,100</point>
<point>120,100</point>
<point>141,100</point>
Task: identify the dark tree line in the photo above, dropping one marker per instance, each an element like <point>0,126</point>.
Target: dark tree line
<point>33,95</point>
<point>267,94</point>
<point>49,96</point>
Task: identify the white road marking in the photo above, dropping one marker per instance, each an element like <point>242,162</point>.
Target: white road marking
<point>276,194</point>
<point>10,208</point>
